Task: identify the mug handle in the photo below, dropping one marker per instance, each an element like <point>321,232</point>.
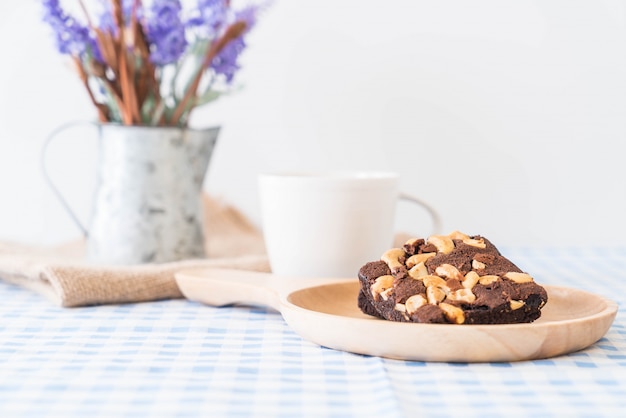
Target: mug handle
<point>434,215</point>
<point>48,178</point>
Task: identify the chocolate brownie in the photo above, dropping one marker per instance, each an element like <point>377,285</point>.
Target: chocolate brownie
<point>454,278</point>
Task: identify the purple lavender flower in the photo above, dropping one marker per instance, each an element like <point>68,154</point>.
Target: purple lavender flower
<point>165,31</point>
<point>225,62</point>
<point>168,47</point>
<point>167,35</point>
<point>208,17</point>
<point>72,38</point>
<point>248,15</point>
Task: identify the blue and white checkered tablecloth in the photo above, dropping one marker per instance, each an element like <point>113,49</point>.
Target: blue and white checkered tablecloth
<point>183,359</point>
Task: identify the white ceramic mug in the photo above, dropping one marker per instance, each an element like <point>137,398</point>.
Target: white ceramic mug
<point>329,224</point>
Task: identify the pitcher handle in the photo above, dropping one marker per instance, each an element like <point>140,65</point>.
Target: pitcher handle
<point>48,178</point>
<point>434,215</point>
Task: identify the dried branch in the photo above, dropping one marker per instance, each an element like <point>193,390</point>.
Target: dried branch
<point>132,68</point>
<point>232,32</point>
<point>102,109</point>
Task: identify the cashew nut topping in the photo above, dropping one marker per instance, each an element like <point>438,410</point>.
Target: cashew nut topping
<point>485,280</point>
<point>449,271</point>
<point>478,243</point>
<point>477,265</point>
<point>414,302</point>
<point>400,307</point>
<point>385,293</point>
<point>433,281</point>
<point>462,295</point>
<point>411,242</point>
<point>418,271</point>
<point>518,277</point>
<point>452,313</point>
<point>458,235</point>
<point>516,304</point>
<point>435,295</point>
<point>418,258</point>
<point>394,258</point>
<point>381,284</point>
<point>471,278</point>
<point>443,243</point>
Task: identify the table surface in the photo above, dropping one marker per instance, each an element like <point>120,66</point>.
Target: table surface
<point>178,358</point>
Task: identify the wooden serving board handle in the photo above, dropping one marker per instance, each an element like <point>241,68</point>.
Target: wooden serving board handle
<point>220,287</point>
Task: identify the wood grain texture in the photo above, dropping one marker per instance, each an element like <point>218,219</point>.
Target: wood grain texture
<point>325,312</point>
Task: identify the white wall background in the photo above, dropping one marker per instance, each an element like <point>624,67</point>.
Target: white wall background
<point>508,116</point>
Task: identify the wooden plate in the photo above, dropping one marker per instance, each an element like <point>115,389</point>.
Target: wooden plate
<point>325,312</point>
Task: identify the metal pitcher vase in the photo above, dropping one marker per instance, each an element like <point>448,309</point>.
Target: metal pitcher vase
<point>147,206</point>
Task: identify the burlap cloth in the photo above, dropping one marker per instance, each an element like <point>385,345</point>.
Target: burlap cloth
<point>62,274</point>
